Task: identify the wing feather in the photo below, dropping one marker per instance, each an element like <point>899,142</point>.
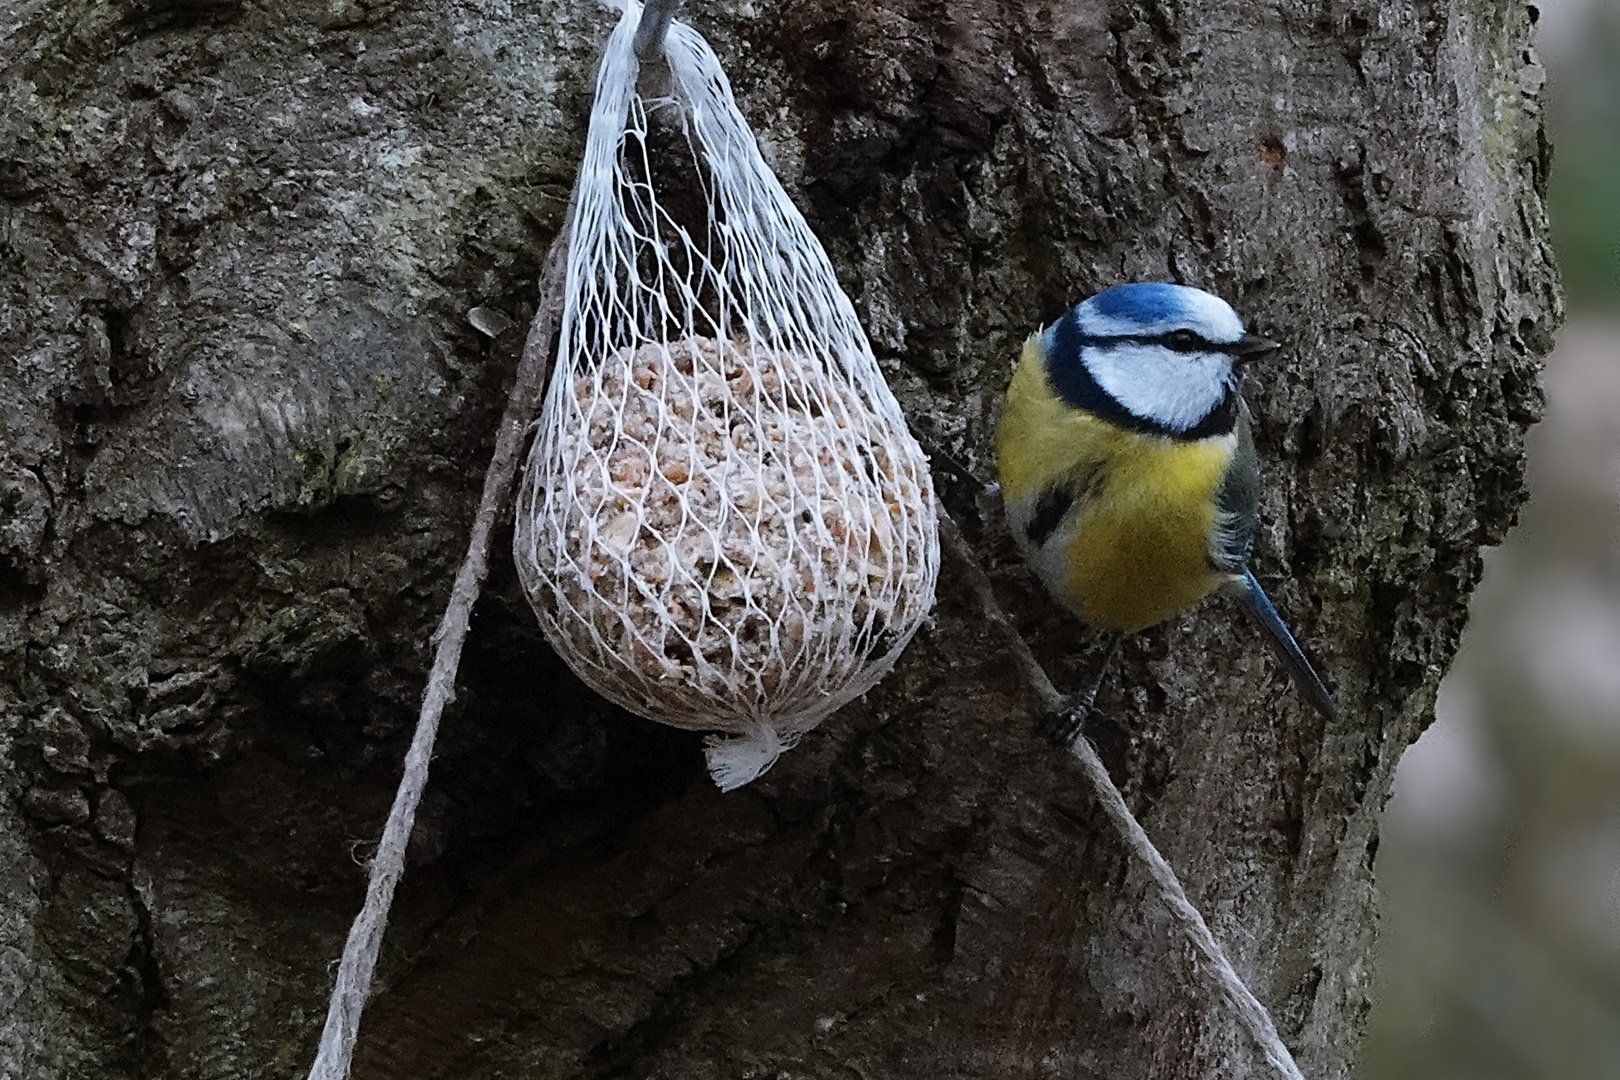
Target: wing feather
<point>1237,503</point>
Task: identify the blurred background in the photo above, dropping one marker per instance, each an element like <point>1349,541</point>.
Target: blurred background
<point>1500,855</point>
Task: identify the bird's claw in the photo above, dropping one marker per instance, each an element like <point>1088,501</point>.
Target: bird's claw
<point>1067,724</point>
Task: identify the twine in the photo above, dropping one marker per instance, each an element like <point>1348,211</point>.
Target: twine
<point>359,961</point>
<point>1251,1015</point>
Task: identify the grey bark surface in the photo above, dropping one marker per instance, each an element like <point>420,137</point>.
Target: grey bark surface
<point>244,419</point>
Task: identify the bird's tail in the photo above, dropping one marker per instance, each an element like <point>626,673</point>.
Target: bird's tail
<point>1259,607</point>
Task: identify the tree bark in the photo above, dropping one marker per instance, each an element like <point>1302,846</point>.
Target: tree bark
<point>241,435</point>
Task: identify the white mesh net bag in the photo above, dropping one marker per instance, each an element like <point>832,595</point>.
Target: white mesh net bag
<point>724,523</point>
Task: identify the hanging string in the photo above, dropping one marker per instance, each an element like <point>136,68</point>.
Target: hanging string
<point>360,951</point>
<point>1251,1015</point>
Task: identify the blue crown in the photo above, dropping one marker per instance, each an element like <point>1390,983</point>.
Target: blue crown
<point>1144,302</point>
<point>1157,307</point>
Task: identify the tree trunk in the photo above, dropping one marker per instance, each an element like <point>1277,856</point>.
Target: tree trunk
<point>244,421</point>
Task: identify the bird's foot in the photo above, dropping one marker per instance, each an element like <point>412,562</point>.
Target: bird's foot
<point>1068,723</point>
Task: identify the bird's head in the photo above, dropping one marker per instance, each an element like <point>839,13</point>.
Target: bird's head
<point>1153,355</point>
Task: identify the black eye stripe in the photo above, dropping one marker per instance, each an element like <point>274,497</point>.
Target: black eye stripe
<point>1179,341</point>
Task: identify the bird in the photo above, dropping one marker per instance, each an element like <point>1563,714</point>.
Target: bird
<point>1128,471</point>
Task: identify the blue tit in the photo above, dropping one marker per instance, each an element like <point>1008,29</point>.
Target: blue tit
<point>1126,464</point>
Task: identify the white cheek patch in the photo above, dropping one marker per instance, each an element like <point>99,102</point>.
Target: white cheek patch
<point>1174,389</point>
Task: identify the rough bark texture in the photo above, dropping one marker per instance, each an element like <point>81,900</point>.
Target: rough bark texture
<point>243,420</point>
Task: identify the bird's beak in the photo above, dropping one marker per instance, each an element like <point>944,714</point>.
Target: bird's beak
<point>1251,347</point>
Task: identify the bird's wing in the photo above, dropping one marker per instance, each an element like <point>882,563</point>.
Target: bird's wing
<point>1237,503</point>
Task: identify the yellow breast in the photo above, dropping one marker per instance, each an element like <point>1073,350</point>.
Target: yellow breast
<point>1135,550</point>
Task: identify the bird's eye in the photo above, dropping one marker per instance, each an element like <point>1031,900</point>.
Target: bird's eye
<point>1184,341</point>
